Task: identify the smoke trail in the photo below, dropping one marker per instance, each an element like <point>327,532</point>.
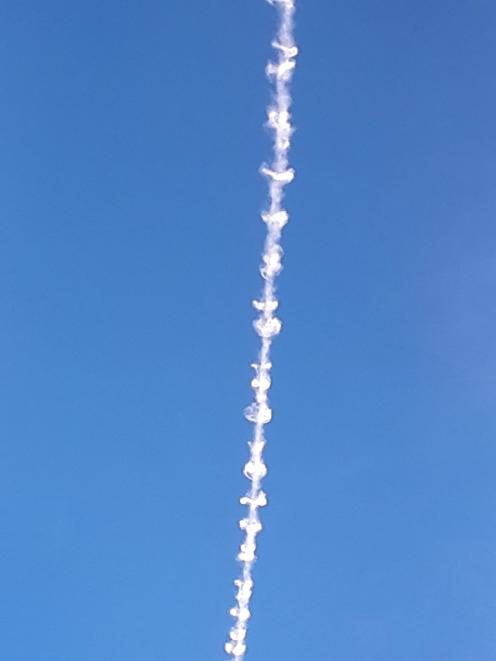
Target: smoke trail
<point>278,174</point>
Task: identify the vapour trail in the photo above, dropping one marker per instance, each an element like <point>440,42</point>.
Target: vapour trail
<point>267,325</point>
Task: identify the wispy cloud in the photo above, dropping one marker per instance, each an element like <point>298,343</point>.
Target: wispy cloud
<point>267,325</point>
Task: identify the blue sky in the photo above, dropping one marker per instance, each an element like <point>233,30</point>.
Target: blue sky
<point>131,135</point>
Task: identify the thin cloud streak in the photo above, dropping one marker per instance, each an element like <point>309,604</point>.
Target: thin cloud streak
<point>267,325</point>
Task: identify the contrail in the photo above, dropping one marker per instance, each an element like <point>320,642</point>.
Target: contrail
<point>267,325</point>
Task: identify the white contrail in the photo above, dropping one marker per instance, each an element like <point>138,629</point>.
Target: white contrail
<point>278,174</point>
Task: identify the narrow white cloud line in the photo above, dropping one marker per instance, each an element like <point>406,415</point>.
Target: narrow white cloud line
<point>267,325</point>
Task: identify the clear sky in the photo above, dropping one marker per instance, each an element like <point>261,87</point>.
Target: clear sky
<point>130,139</point>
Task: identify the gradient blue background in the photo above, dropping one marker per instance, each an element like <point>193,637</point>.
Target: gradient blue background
<point>131,134</point>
